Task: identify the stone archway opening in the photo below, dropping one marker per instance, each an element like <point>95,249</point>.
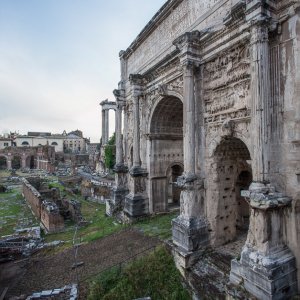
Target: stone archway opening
<point>3,163</point>
<point>16,163</point>
<point>166,149</point>
<point>30,162</point>
<point>173,190</point>
<point>231,173</point>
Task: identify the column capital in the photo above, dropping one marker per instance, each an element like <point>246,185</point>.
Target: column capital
<point>189,46</point>
<point>107,105</point>
<point>120,98</point>
<point>136,79</point>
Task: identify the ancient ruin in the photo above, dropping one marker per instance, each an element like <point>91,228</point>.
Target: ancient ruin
<point>209,93</point>
<point>39,157</point>
<point>48,206</point>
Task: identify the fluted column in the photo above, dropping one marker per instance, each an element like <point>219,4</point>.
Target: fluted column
<point>260,91</point>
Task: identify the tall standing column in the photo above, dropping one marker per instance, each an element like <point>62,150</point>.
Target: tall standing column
<point>189,229</point>
<point>106,125</point>
<point>189,119</point>
<point>267,269</point>
<point>260,91</point>
<point>119,140</point>
<point>136,202</point>
<point>103,127</point>
<point>115,205</point>
<point>136,132</point>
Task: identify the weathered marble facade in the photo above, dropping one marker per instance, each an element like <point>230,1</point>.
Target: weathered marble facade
<point>210,93</point>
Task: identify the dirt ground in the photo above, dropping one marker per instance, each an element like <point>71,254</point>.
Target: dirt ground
<point>44,272</point>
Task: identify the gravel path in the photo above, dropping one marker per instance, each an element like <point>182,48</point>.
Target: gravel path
<point>55,271</point>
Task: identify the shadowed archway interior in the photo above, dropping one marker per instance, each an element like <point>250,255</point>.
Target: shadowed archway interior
<point>166,149</point>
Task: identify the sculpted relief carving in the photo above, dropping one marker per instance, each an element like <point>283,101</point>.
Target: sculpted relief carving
<point>226,86</point>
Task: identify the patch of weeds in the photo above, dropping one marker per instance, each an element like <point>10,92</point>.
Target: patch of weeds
<point>153,275</point>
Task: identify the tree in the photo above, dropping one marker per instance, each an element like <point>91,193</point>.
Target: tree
<point>110,152</point>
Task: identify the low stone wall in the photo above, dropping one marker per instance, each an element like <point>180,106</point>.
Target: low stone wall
<point>51,218</point>
<point>33,198</point>
<point>96,190</point>
<point>46,211</point>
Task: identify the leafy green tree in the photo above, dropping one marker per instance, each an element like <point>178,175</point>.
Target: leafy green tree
<point>110,152</point>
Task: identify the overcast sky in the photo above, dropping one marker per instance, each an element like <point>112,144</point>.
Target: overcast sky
<point>59,59</point>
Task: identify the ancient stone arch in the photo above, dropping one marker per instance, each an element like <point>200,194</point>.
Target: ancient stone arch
<point>3,162</point>
<point>227,62</point>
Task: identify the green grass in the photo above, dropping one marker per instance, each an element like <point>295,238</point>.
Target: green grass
<point>14,212</point>
<point>159,225</point>
<point>98,224</point>
<point>153,275</point>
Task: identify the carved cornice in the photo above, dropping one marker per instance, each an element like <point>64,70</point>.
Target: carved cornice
<point>136,79</point>
<point>188,39</point>
<point>107,105</point>
<point>237,12</point>
<point>164,11</point>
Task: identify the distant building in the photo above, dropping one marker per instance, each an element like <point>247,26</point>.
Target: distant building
<point>74,142</point>
<point>33,139</point>
<point>92,148</point>
<point>5,142</point>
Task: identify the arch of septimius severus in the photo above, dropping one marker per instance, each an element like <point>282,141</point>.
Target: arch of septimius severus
<point>208,118</point>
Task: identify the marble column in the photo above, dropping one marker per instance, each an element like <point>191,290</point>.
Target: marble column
<point>103,127</point>
<point>136,202</point>
<point>267,267</point>
<point>115,205</point>
<point>106,133</point>
<point>260,91</point>
<point>189,229</point>
<point>119,139</point>
<point>189,119</point>
<point>136,133</point>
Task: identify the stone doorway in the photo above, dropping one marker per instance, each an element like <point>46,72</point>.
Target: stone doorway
<point>165,150</point>
<point>173,190</point>
<point>230,173</point>
<point>3,163</point>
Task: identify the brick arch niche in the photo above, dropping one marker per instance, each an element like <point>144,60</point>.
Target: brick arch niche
<point>3,162</point>
<point>229,172</point>
<point>165,150</point>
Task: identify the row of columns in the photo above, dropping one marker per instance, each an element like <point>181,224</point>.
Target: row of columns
<point>106,106</point>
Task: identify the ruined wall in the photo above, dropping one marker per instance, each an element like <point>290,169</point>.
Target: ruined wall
<point>46,211</point>
<point>33,198</point>
<point>51,218</point>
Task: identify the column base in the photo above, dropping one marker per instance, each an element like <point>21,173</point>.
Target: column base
<point>136,206</point>
<point>266,276</point>
<point>115,205</point>
<point>190,234</point>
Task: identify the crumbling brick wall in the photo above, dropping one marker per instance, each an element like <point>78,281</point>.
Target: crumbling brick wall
<point>51,218</point>
<point>33,198</point>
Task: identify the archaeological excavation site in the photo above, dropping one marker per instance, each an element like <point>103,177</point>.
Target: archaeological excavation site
<point>197,193</point>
